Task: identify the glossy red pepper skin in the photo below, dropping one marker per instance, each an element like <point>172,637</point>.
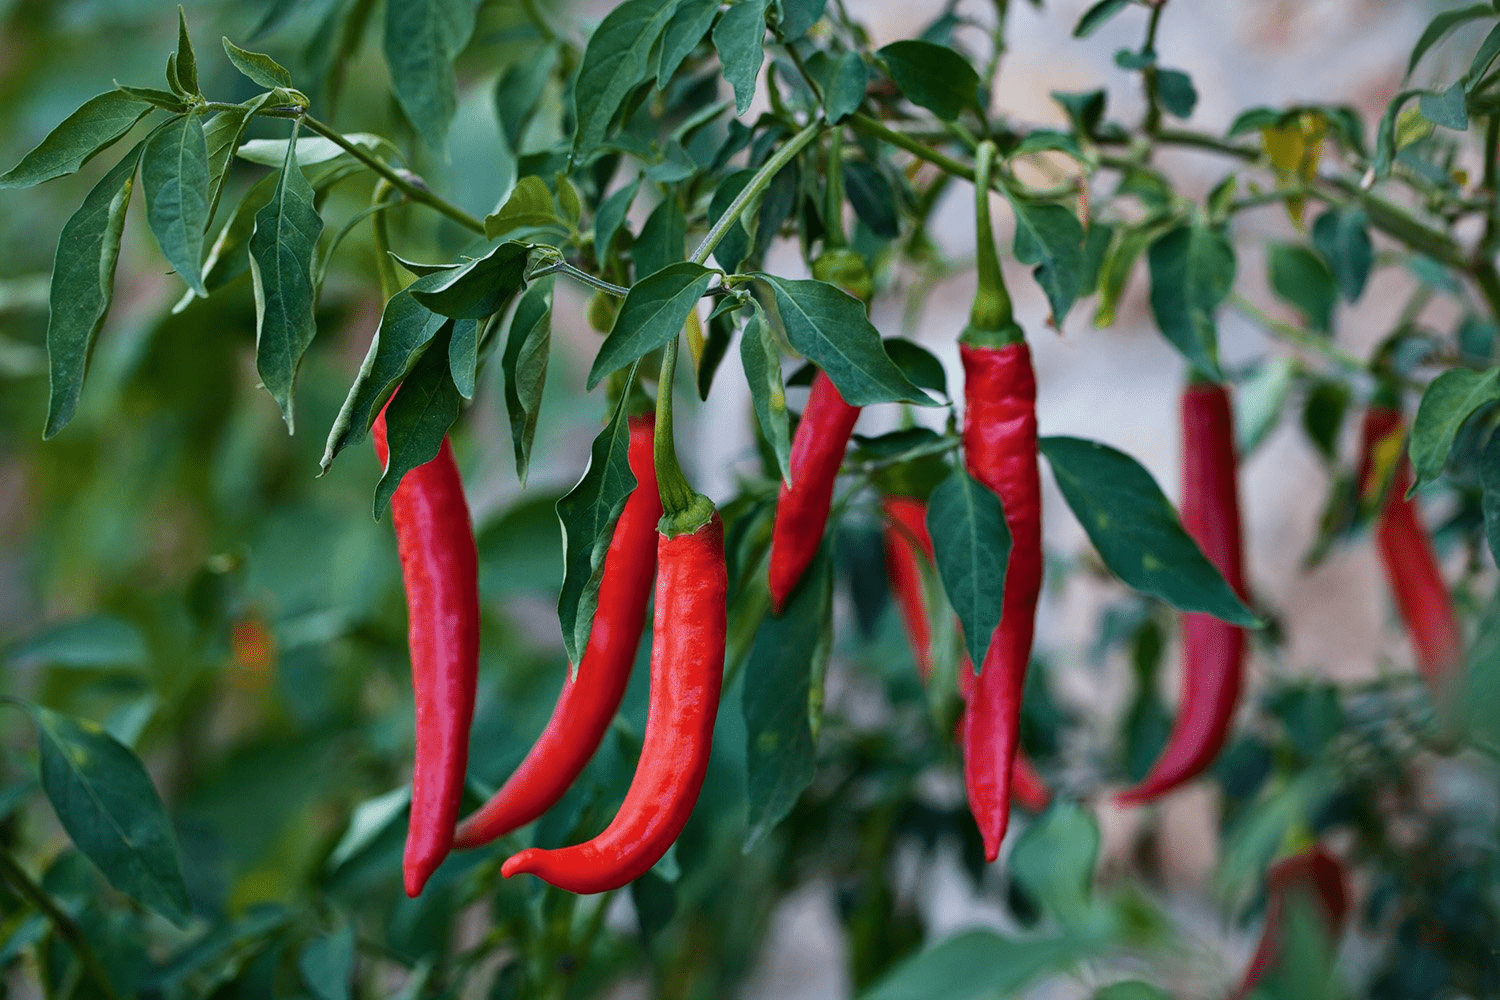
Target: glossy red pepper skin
<point>906,533</point>
<point>687,668</point>
<point>802,508</point>
<point>1213,651</point>
<point>440,570</point>
<point>1000,450</point>
<point>588,700</point>
<point>1411,567</point>
<point>1314,872</point>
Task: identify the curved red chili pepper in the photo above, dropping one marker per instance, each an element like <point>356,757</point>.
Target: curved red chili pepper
<point>687,667</point>
<point>1000,451</point>
<point>802,508</point>
<point>1315,872</point>
<point>440,570</point>
<point>1213,651</point>
<point>1406,553</point>
<point>906,524</point>
<point>589,700</point>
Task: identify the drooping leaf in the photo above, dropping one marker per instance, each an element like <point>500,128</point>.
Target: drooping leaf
<point>175,180</point>
<point>682,35</point>
<point>739,38</point>
<point>1442,25</point>
<point>97,124</point>
<point>1450,400</point>
<point>978,964</point>
<point>1192,271</point>
<point>971,546</point>
<point>831,328</point>
<point>762,360</point>
<point>616,61</point>
<point>422,39</point>
<point>327,964</point>
<point>221,138</point>
<point>281,264</point>
<point>530,206</point>
<point>463,356</point>
<point>588,514</point>
<point>1342,236</point>
<point>1051,238</point>
<point>525,366</point>
<point>1135,530</point>
<point>844,78</point>
<point>1096,16</point>
<point>479,288</point>
<point>1300,278</point>
<point>518,95</point>
<point>932,76</point>
<point>611,216</point>
<point>83,280</point>
<point>105,801</point>
<point>653,314</point>
<point>418,417</point>
<point>312,150</point>
<point>258,67</point>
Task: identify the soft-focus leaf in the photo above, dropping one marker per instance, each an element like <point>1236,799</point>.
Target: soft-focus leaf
<point>977,964</point>
<point>422,38</point>
<point>1450,400</point>
<point>99,641</point>
<point>93,128</point>
<point>525,366</point>
<point>1051,237</point>
<point>1096,16</point>
<point>971,546</point>
<point>1192,271</point>
<point>932,76</point>
<point>1342,236</point>
<point>327,964</point>
<point>1300,278</point>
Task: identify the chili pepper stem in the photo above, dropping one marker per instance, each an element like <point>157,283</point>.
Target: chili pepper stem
<point>684,510</point>
<point>992,321</point>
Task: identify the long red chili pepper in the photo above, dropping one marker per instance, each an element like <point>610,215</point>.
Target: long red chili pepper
<point>1213,651</point>
<point>802,508</point>
<point>1000,450</point>
<point>1314,872</point>
<point>687,664</point>
<point>1411,567</point>
<point>907,524</point>
<point>589,700</point>
<point>440,569</point>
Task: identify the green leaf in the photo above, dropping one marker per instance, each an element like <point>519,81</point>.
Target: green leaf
<point>1342,236</point>
<point>175,180</point>
<point>1441,25</point>
<point>281,264</point>
<point>1489,479</point>
<point>1259,402</point>
<point>418,418</point>
<point>1051,237</point>
<point>652,315</point>
<point>588,514</point>
<point>872,198</point>
<point>463,356</point>
<point>932,76</point>
<point>525,366</point>
<point>616,61</point>
<point>105,801</point>
<point>164,99</point>
<point>762,361</point>
<point>739,38</point>
<point>787,661</point>
<point>327,964</point>
<point>844,79</point>
<point>971,546</point>
<point>94,642</point>
<point>1386,132</point>
<point>98,124</point>
<point>258,67</point>
<point>1447,108</point>
<point>1132,990</point>
<point>1095,17</point>
<point>682,35</point>
<point>518,94</point>
<point>406,328</point>
<point>83,281</point>
<point>530,206</point>
<point>796,17</point>
<point>1054,861</point>
<point>978,965</point>
<point>479,288</point>
<point>1136,531</point>
<point>1450,400</point>
<point>611,216</point>
<point>186,62</point>
<point>1192,271</point>
<point>1177,93</point>
<point>221,138</point>
<point>422,39</point>
<point>1300,278</point>
<point>1488,50</point>
<point>312,150</point>
<point>661,239</point>
<point>830,328</point>
<point>368,820</point>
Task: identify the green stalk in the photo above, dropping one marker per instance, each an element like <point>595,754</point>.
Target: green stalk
<point>380,233</point>
<point>992,321</point>
<point>756,188</point>
<point>67,928</point>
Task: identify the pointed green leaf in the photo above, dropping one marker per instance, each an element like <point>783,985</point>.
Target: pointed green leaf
<point>682,35</point>
<point>422,39</point>
<point>1450,400</point>
<point>831,328</point>
<point>653,314</point>
<point>588,515</point>
<point>175,180</point>
<point>1440,26</point>
<point>221,138</point>
<point>932,76</point>
<point>1489,479</point>
<point>281,260</point>
<point>1096,16</point>
<point>186,62</point>
<point>611,215</point>
<point>1342,236</point>
<point>1446,108</point>
<point>1051,238</point>
<point>762,361</point>
<point>1054,860</point>
<point>1192,271</point>
<point>616,61</point>
<point>1300,278</point>
<point>530,206</point>
<point>844,79</point>
<point>418,418</point>
<point>258,67</point>
<point>525,366</point>
<point>971,546</point>
<point>480,287</point>
<point>661,239</point>
<point>105,801</point>
<point>83,280</point>
<point>739,38</point>
<point>327,964</point>
<point>1135,530</point>
<point>1178,95</point>
<point>94,127</point>
<point>978,965</point>
<point>463,356</point>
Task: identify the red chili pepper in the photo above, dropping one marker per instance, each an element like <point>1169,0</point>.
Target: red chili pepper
<point>1411,567</point>
<point>590,699</point>
<point>802,509</point>
<point>440,570</point>
<point>1314,872</point>
<point>1001,452</point>
<point>687,666</point>
<point>1213,651</point>
<point>907,523</point>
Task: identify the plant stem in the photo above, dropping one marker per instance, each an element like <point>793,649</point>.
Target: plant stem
<point>1299,338</point>
<point>402,183</point>
<point>756,187</point>
<point>878,130</point>
<point>833,205</point>
<point>581,276</point>
<point>676,494</point>
<point>385,271</point>
<point>67,928</point>
<point>1150,76</point>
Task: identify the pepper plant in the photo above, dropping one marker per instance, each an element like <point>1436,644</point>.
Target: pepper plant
<point>210,648</point>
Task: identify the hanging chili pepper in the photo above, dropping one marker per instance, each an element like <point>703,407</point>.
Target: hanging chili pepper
<point>440,570</point>
<point>907,524</point>
<point>1213,651</point>
<point>1000,450</point>
<point>591,697</point>
<point>687,672</point>
<point>802,508</point>
<point>1314,873</point>
<point>1411,567</point>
